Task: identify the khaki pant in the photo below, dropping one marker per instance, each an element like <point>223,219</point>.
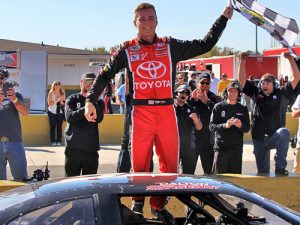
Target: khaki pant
<point>296,168</point>
<point>297,160</point>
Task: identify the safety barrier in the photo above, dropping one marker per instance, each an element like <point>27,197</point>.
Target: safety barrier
<point>36,129</point>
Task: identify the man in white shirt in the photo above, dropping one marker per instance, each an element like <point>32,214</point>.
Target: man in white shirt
<point>296,114</point>
<point>214,83</point>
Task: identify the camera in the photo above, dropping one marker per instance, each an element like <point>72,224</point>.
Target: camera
<point>39,175</point>
<point>6,86</point>
<point>293,142</point>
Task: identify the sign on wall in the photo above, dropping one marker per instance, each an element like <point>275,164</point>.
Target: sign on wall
<point>8,59</point>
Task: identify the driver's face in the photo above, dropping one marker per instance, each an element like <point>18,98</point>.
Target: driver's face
<point>146,22</point>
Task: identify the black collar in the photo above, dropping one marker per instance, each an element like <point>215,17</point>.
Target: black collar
<point>143,42</point>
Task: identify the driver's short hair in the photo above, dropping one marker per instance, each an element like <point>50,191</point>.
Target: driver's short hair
<point>142,6</point>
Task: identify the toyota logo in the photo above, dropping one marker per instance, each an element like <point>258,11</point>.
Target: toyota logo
<point>151,70</point>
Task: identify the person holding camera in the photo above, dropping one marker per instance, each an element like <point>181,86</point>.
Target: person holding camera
<point>56,102</point>
<point>11,144</point>
<point>229,121</point>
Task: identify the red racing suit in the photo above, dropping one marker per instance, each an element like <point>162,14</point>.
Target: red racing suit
<point>151,72</point>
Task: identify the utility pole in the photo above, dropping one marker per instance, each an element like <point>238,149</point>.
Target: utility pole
<point>256,41</point>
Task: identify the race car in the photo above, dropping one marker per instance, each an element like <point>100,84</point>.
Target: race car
<point>106,200</point>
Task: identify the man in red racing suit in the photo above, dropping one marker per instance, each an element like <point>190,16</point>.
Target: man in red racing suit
<point>151,64</point>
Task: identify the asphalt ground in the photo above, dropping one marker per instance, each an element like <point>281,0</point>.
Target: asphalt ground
<point>37,157</point>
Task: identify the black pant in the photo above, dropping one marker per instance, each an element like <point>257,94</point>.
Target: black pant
<point>206,152</point>
<point>55,121</point>
<point>77,162</point>
<point>228,160</point>
<point>124,160</point>
<point>188,159</point>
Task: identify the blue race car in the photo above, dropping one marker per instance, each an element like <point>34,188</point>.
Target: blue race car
<point>106,200</point>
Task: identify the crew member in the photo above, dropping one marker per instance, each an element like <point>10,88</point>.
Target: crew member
<point>266,129</point>
<point>229,121</point>
<point>187,121</point>
<point>203,100</point>
<point>82,137</point>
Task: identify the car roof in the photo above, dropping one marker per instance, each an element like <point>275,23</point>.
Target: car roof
<point>135,183</point>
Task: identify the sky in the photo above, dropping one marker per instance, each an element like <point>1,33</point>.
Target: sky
<point>102,23</point>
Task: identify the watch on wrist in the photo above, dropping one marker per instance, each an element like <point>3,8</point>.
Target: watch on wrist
<point>16,100</point>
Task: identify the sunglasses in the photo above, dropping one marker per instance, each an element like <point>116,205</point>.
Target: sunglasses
<point>57,84</point>
<point>184,93</point>
<point>180,78</point>
<point>267,81</point>
<point>89,81</point>
<point>206,83</point>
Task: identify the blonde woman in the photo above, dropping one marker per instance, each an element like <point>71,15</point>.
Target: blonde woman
<point>56,101</point>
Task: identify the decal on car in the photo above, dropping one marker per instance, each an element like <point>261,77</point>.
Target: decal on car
<point>176,186</point>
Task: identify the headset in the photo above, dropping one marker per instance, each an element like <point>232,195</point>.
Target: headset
<point>236,85</point>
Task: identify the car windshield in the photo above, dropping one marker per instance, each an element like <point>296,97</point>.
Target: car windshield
<point>13,197</point>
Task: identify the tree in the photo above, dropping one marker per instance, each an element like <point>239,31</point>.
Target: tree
<point>100,50</point>
<point>114,48</point>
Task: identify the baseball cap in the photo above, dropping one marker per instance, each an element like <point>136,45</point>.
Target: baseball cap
<point>87,76</point>
<point>182,88</point>
<point>4,74</point>
<point>204,76</point>
<point>233,85</point>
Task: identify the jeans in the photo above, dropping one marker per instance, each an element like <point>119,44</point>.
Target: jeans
<point>56,121</point>
<point>121,110</point>
<point>280,141</point>
<point>14,153</point>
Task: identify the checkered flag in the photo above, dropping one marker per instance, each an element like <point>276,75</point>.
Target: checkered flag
<point>282,28</point>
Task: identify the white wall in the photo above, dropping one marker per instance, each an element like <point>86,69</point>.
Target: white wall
<point>67,71</point>
<point>284,67</point>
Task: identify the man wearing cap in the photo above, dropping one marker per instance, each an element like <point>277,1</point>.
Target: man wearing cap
<point>229,121</point>
<point>82,137</point>
<point>203,100</point>
<point>266,129</point>
<point>11,144</point>
<point>192,82</point>
<point>180,80</point>
<point>187,121</point>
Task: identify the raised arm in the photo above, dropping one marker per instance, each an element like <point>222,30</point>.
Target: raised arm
<point>295,78</point>
<point>242,76</point>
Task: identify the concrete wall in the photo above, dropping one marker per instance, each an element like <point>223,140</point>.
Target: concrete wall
<point>36,129</point>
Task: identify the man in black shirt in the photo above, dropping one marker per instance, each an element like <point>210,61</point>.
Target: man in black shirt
<point>82,137</point>
<point>203,100</point>
<point>229,121</point>
<point>266,131</point>
<point>192,82</point>
<point>187,119</point>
